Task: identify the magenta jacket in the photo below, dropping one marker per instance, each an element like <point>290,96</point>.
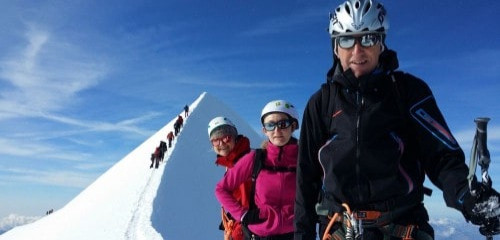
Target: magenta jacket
<point>274,191</point>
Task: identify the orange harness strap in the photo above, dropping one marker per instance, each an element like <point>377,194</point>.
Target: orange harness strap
<point>228,225</point>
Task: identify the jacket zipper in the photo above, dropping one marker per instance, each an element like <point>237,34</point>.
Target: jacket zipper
<point>282,188</point>
<point>360,103</point>
<point>280,153</point>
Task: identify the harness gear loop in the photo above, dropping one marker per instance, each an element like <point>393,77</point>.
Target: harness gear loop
<point>335,218</point>
<point>228,225</point>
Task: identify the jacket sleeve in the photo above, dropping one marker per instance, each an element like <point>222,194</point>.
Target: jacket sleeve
<point>233,178</point>
<point>443,159</point>
<point>309,173</point>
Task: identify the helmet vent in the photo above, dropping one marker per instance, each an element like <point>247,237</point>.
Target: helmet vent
<point>367,7</point>
<point>355,16</point>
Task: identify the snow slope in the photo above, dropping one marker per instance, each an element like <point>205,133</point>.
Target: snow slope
<point>132,201</point>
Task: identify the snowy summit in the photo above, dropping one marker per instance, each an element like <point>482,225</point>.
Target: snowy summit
<point>132,201</point>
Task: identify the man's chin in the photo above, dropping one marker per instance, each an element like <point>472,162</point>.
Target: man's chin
<point>359,72</point>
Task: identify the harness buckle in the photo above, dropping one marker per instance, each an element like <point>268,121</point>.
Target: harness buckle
<point>371,218</point>
<point>367,215</point>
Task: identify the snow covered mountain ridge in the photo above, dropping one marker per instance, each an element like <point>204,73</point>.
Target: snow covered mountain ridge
<point>132,201</point>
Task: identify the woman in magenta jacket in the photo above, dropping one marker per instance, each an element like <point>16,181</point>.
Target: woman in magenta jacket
<point>275,184</point>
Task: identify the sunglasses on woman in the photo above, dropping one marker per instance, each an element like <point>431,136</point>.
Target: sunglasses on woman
<point>366,40</point>
<point>282,124</point>
<point>217,141</point>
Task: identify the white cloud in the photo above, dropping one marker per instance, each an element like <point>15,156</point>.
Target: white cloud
<point>446,226</point>
<point>465,138</point>
<point>446,233</point>
<point>122,126</point>
<point>45,75</point>
<point>93,166</point>
<point>37,150</point>
<point>54,178</point>
<point>14,220</point>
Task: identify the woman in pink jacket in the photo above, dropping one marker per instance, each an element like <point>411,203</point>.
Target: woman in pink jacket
<point>272,218</point>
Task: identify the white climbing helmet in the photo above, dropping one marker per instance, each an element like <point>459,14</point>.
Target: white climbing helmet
<point>281,106</point>
<point>358,16</point>
<point>217,122</point>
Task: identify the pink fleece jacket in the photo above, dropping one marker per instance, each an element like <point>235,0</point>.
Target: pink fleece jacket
<point>274,191</point>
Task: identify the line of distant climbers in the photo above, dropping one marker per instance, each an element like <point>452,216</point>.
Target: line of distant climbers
<point>158,155</point>
<point>49,212</point>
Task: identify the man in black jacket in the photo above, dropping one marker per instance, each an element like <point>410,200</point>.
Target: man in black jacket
<point>369,136</point>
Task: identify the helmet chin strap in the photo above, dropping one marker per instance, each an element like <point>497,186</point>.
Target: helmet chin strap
<point>334,48</point>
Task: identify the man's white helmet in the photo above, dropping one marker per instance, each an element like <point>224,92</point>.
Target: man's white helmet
<point>358,16</point>
<point>217,122</point>
<point>281,106</point>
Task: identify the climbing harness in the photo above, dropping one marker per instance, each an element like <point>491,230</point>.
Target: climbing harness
<point>355,221</point>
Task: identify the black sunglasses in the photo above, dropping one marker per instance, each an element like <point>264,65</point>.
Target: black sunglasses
<point>281,124</point>
<point>366,40</point>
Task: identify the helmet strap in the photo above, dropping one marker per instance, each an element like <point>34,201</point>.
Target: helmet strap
<point>335,48</point>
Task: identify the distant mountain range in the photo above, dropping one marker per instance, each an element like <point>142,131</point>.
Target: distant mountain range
<point>456,229</point>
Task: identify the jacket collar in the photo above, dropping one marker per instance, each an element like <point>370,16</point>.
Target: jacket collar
<point>388,62</point>
<point>241,148</point>
<point>283,155</point>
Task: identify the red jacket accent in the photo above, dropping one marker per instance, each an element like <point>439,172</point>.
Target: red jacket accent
<point>242,147</point>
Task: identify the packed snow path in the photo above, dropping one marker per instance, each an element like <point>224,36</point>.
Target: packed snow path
<point>139,227</point>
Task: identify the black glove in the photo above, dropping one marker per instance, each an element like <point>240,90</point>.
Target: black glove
<point>251,217</point>
<point>484,210</point>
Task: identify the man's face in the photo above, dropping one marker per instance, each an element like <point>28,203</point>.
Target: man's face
<point>360,59</point>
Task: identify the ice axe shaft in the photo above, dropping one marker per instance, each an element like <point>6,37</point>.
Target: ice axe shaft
<point>479,155</point>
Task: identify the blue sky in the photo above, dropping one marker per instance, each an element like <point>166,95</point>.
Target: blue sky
<point>82,83</point>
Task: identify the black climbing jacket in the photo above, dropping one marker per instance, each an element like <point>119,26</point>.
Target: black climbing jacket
<point>369,142</point>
